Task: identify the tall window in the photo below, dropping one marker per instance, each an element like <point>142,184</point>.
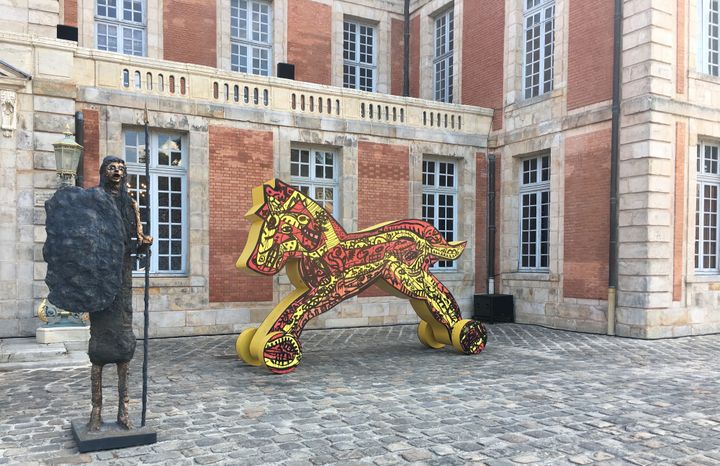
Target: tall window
<point>358,56</point>
<point>439,200</point>
<point>710,37</point>
<point>120,26</point>
<point>167,194</point>
<point>706,208</point>
<point>443,57</point>
<point>535,213</point>
<point>315,173</point>
<point>539,47</point>
<point>250,36</point>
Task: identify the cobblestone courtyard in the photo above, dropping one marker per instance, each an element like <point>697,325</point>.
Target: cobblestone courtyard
<point>377,396</point>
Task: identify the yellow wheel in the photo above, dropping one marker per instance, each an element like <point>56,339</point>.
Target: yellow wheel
<point>457,331</point>
<point>469,336</point>
<point>281,352</point>
<point>242,346</point>
<point>426,337</point>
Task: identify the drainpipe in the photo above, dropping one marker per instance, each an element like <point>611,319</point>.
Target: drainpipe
<point>406,50</point>
<point>80,139</point>
<point>491,225</point>
<point>614,167</point>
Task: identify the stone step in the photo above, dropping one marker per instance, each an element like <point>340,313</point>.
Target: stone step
<point>27,353</point>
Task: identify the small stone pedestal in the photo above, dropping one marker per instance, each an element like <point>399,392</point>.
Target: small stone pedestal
<point>110,436</point>
<point>61,334</point>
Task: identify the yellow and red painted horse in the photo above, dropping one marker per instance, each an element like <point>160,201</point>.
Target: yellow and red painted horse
<point>328,265</point>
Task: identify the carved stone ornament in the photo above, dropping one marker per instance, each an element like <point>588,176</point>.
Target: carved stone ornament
<point>8,112</point>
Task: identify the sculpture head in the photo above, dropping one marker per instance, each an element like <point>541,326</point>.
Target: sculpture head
<point>292,225</point>
<point>113,174</point>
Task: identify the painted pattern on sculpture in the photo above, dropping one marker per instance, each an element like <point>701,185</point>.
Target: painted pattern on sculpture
<point>327,265</point>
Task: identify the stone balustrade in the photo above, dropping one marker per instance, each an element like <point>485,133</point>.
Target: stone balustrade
<point>159,78</point>
<point>104,70</point>
<point>170,79</point>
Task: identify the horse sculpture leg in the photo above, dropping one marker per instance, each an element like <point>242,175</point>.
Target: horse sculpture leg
<point>441,321</point>
<point>467,336</point>
<point>276,343</point>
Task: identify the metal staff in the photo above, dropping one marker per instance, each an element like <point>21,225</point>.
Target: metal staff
<point>146,313</point>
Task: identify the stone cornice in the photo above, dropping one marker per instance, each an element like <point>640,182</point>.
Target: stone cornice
<point>667,105</point>
<point>12,78</point>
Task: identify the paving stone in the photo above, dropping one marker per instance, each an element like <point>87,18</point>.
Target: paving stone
<point>526,458</point>
<point>416,454</point>
<point>580,459</point>
<point>377,396</point>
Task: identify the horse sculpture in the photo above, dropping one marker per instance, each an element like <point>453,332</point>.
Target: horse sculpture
<point>328,265</point>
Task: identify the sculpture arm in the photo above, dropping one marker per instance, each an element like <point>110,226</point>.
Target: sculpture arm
<point>143,240</point>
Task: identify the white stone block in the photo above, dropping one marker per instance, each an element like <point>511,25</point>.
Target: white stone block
<point>46,335</point>
<point>630,316</point>
<point>201,318</point>
<point>54,105</point>
<point>55,63</point>
<point>646,148</point>
<point>232,316</point>
<point>347,322</point>
<point>43,18</point>
<point>162,319</point>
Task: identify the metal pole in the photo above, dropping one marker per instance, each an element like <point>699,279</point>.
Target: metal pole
<point>614,166</point>
<point>146,313</point>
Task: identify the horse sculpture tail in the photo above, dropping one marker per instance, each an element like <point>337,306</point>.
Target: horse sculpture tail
<point>448,251</point>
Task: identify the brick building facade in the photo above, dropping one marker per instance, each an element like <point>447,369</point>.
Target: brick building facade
<point>529,82</point>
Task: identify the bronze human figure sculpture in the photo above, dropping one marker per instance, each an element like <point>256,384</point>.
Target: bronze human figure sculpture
<point>112,340</point>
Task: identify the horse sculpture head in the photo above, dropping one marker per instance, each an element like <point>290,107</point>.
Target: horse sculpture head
<point>286,224</point>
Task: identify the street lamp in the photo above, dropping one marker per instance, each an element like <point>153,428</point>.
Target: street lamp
<point>67,157</point>
<point>61,325</point>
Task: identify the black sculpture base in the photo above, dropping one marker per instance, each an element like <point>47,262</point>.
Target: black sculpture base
<point>110,436</point>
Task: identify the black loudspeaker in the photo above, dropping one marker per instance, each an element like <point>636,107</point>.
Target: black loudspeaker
<point>493,308</point>
<point>286,70</point>
<point>67,32</point>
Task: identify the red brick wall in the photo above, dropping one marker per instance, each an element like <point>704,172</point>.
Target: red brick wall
<point>679,220</point>
<point>397,41</point>
<point>590,52</point>
<point>189,31</point>
<point>239,161</point>
<point>383,188</point>
<point>91,148</point>
<point>482,55</point>
<point>415,57</point>
<point>309,30</point>
<point>70,13</point>
<point>587,215</point>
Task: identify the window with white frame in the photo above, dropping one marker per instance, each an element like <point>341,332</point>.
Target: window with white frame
<point>443,57</point>
<point>167,194</point>
<point>439,200</point>
<point>539,47</point>
<point>315,172</point>
<point>120,26</point>
<point>706,208</point>
<point>359,56</point>
<point>535,213</point>
<point>710,37</point>
<point>251,36</point>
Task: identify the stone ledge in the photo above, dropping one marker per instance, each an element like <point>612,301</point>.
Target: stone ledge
<point>47,335</point>
<point>26,353</point>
